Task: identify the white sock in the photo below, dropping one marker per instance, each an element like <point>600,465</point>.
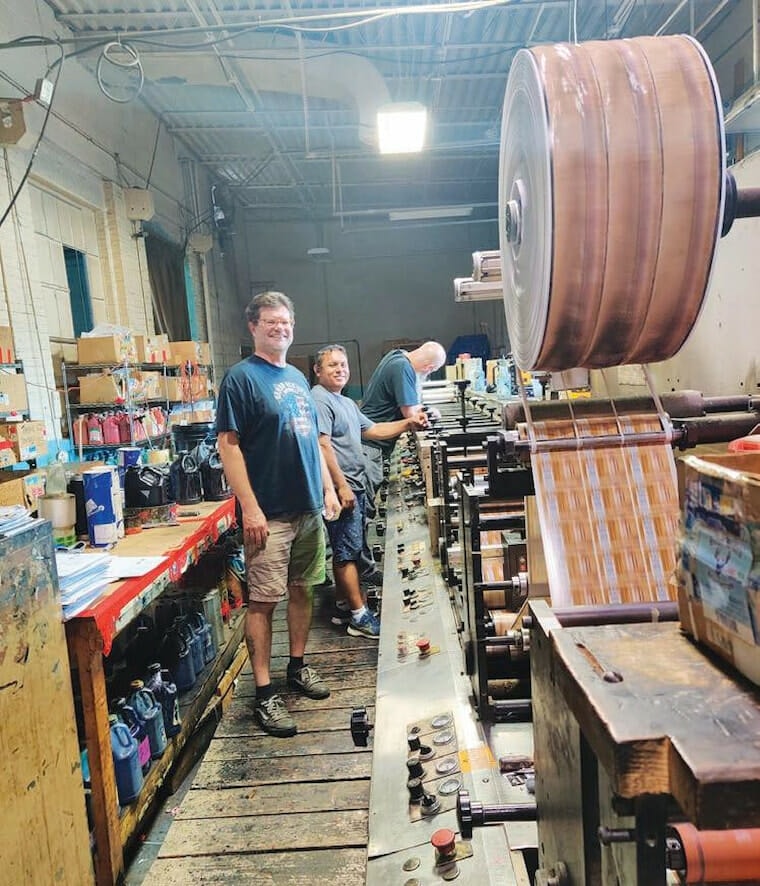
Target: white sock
<point>358,614</point>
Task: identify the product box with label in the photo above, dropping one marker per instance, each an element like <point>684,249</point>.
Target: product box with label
<point>185,388</point>
<point>28,438</point>
<point>719,557</point>
<point>152,348</point>
<point>192,351</point>
<point>7,453</point>
<point>146,385</point>
<point>13,397</point>
<point>21,488</point>
<point>7,354</point>
<point>106,349</point>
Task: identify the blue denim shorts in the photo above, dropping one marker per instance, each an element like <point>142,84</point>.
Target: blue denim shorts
<point>347,532</point>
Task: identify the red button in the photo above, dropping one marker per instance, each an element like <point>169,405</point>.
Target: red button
<point>443,841</point>
<point>423,644</point>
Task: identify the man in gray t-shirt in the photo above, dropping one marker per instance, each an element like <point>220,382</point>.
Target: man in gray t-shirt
<point>342,427</point>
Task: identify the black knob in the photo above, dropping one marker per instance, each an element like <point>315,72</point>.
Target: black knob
<point>416,790</point>
<point>413,741</point>
<point>464,814</point>
<point>360,727</point>
<point>415,767</point>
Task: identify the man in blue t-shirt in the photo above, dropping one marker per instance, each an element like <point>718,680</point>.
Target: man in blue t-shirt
<point>267,432</point>
<point>394,392</point>
<point>342,427</point>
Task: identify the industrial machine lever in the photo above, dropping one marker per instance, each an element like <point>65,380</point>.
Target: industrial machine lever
<point>360,727</point>
<point>471,813</point>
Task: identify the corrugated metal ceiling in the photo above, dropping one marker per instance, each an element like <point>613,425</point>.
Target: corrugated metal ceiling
<point>282,117</point>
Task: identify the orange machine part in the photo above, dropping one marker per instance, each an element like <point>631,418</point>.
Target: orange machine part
<point>720,856</point>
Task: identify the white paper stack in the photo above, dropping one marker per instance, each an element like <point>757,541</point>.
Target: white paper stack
<point>82,578</point>
<point>13,517</point>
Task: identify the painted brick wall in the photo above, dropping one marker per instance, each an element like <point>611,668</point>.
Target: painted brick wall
<point>85,159</point>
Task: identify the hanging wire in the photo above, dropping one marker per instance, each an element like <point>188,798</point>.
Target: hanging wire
<point>59,67</point>
<point>126,58</point>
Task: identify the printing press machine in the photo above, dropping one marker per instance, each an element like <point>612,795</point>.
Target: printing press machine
<point>517,742</point>
<point>465,708</point>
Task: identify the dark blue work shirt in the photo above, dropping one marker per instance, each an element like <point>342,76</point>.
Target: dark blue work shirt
<point>271,410</point>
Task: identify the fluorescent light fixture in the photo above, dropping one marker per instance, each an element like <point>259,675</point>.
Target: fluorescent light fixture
<point>401,127</point>
<point>467,289</point>
<point>429,212</point>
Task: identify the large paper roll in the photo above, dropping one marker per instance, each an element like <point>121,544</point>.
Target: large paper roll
<point>611,189</point>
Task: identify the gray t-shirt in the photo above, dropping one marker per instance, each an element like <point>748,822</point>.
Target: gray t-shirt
<point>339,417</point>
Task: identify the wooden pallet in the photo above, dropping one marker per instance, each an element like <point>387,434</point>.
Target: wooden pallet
<point>282,811</point>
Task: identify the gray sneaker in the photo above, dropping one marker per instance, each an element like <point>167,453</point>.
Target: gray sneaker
<point>308,682</point>
<point>273,717</point>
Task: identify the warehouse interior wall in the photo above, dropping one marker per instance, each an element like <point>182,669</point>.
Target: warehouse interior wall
<point>375,285</point>
<point>92,150</point>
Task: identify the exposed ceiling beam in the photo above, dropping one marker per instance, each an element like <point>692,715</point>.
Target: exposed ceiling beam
<point>298,127</point>
<point>246,17</point>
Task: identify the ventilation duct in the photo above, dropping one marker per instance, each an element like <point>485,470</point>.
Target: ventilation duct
<point>341,76</point>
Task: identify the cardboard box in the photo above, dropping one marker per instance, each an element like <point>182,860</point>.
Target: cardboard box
<point>21,488</point>
<point>106,349</point>
<point>192,351</point>
<point>189,388</point>
<point>7,354</point>
<point>146,385</point>
<point>718,568</point>
<point>28,438</point>
<point>13,397</point>
<point>100,388</point>
<point>7,454</point>
<point>152,348</point>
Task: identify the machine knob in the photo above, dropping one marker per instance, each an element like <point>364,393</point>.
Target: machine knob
<point>430,804</point>
<point>416,790</point>
<point>415,767</point>
<point>471,813</point>
<point>413,740</point>
<point>464,814</point>
<point>444,843</point>
<point>360,727</point>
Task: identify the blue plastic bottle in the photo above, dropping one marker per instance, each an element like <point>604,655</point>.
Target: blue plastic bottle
<point>203,628</point>
<point>129,777</point>
<point>128,715</point>
<point>151,716</point>
<point>195,641</point>
<point>185,673</point>
<point>165,691</point>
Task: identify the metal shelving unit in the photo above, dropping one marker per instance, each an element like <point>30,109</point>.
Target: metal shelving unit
<point>131,405</point>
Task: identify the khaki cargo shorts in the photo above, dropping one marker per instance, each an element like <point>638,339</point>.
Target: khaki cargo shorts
<point>294,554</point>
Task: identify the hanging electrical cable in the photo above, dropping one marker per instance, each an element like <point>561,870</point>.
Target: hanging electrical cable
<point>124,57</point>
<point>59,67</point>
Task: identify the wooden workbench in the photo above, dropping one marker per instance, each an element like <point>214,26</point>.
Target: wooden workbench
<point>90,635</point>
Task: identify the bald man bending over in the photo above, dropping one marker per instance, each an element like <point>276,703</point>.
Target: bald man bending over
<point>393,393</point>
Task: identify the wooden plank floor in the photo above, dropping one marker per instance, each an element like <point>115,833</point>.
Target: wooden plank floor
<point>290,811</point>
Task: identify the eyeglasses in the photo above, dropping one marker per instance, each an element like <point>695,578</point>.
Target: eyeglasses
<point>270,324</point>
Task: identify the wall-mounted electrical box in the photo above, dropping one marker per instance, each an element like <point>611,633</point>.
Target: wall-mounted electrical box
<point>12,126</point>
<point>138,203</point>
